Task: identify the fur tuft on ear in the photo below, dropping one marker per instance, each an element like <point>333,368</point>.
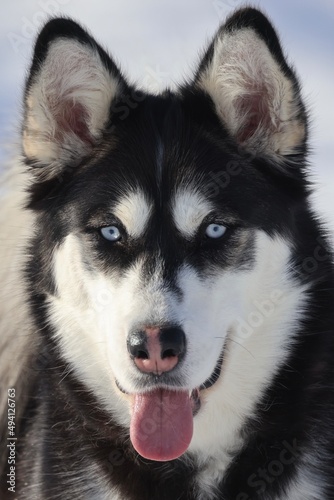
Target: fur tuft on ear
<point>255,93</point>
<point>68,97</point>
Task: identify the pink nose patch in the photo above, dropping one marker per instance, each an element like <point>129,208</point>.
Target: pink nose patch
<point>156,365</point>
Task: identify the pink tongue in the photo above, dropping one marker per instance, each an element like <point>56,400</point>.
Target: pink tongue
<point>161,424</point>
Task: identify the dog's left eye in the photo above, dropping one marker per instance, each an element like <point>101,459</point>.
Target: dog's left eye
<point>215,231</point>
<point>111,233</point>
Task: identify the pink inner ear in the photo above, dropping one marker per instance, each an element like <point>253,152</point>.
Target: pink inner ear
<point>72,117</point>
<point>254,112</point>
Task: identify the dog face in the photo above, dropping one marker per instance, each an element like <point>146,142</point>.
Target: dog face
<point>163,228</point>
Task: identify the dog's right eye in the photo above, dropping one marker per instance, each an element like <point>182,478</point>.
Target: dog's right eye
<point>215,231</point>
<point>111,233</point>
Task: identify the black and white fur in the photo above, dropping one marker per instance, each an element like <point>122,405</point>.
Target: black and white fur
<point>228,148</point>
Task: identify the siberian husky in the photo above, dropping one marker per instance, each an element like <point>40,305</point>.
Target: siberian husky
<point>167,292</point>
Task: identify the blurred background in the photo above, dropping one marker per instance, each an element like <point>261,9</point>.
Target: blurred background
<point>157,43</point>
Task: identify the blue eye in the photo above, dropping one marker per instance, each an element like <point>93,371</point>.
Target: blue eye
<point>111,233</point>
<point>215,231</point>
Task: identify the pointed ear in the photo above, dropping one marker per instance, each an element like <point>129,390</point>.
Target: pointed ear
<point>69,93</point>
<point>255,93</point>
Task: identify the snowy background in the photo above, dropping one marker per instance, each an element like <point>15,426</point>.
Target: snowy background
<point>158,43</point>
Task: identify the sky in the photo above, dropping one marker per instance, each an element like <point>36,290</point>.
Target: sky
<point>158,43</point>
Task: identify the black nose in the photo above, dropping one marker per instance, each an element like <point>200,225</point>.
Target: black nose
<point>155,341</point>
<point>137,344</point>
<point>173,342</point>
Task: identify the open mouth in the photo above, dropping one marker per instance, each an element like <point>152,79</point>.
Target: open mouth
<point>161,425</point>
<point>194,395</point>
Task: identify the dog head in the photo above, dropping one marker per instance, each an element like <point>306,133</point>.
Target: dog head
<point>162,248</point>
